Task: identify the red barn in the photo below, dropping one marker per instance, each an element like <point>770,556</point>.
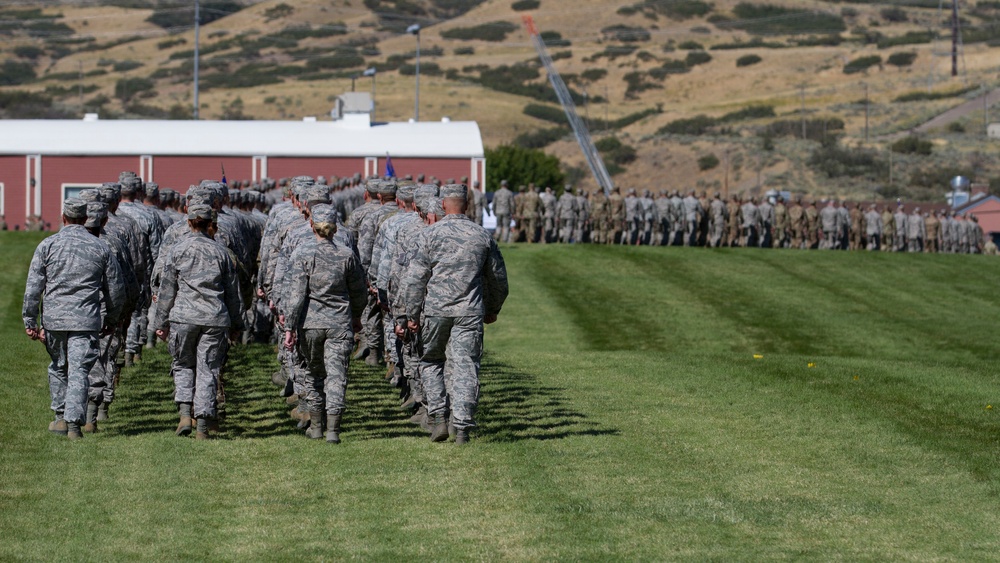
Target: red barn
<point>986,210</point>
<point>42,162</point>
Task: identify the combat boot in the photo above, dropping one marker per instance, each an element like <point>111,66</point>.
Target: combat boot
<point>390,371</point>
<point>461,436</point>
<point>362,351</point>
<point>304,420</point>
<point>184,426</point>
<point>279,378</point>
<point>129,359</point>
<point>73,431</point>
<point>150,339</point>
<point>333,428</point>
<point>439,428</point>
<point>292,400</point>
<point>102,412</point>
<point>137,357</point>
<point>91,426</point>
<point>410,404</point>
<point>372,359</point>
<point>202,433</point>
<point>315,431</point>
<point>58,426</point>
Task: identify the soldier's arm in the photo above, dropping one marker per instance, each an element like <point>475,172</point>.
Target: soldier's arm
<point>113,290</point>
<point>34,289</point>
<point>168,292</point>
<point>415,284</point>
<point>297,291</point>
<point>495,288</point>
<point>356,289</point>
<point>231,293</point>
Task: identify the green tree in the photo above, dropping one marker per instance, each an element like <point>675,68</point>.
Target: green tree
<point>519,165</point>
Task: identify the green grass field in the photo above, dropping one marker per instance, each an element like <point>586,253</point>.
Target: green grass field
<point>625,415</point>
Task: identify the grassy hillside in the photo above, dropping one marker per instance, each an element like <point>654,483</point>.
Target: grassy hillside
<point>672,60</point>
<point>625,415</point>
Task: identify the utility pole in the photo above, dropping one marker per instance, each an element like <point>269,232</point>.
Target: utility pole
<point>986,109</point>
<point>725,180</point>
<point>415,30</point>
<point>197,33</point>
<point>954,37</point>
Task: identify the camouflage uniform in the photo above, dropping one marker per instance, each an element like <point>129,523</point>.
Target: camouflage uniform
<point>327,290</point>
<point>503,205</point>
<point>455,278</point>
<point>719,214</point>
<point>599,209</point>
<point>567,215</point>
<point>199,303</point>
<point>72,273</point>
<point>616,212</point>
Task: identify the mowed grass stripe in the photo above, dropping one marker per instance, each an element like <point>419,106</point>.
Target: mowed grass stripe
<point>672,443</point>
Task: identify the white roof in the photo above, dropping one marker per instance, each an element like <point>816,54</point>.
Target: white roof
<point>349,137</point>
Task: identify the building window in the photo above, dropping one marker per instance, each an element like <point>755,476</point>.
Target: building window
<point>73,189</point>
<point>3,210</point>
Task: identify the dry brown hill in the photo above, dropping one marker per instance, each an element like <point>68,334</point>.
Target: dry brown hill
<point>657,60</point>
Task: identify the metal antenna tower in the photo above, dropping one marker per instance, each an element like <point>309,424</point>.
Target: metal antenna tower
<point>590,152</point>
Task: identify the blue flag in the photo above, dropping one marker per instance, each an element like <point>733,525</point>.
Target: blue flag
<point>224,174</point>
<point>389,170</point>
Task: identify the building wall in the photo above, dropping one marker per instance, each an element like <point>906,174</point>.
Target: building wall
<point>178,172</point>
<point>288,167</point>
<point>12,177</point>
<point>60,170</point>
<point>988,214</point>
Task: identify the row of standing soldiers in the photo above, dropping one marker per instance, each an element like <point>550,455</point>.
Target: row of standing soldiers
<point>670,218</point>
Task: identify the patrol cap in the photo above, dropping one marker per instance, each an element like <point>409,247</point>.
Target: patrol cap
<point>387,187</point>
<point>90,196</point>
<point>458,191</point>
<point>152,189</point>
<point>111,192</point>
<point>167,194</point>
<point>323,213</point>
<point>371,186</point>
<point>406,191</point>
<point>97,212</point>
<point>315,194</point>
<point>199,211</point>
<point>75,208</point>
<point>431,204</point>
<point>200,196</point>
<point>131,185</point>
<point>125,174</point>
<point>236,197</point>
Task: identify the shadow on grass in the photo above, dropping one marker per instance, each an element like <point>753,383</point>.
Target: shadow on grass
<point>514,405</point>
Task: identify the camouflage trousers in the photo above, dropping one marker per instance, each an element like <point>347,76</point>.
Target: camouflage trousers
<point>136,336</point>
<point>326,351</point>
<point>408,350</point>
<point>198,352</point>
<point>502,233</point>
<point>549,230</point>
<point>566,225</point>
<point>372,321</point>
<point>104,375</point>
<point>449,366</point>
<point>73,355</point>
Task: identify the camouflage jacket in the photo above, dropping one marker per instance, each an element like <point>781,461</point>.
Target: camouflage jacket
<point>199,286</point>
<point>457,271</point>
<point>326,287</point>
<point>148,221</point>
<point>406,247</point>
<point>369,228</point>
<point>71,274</point>
<point>385,248</point>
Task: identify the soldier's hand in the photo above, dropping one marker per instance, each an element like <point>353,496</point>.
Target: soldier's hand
<point>260,293</point>
<point>162,333</point>
<point>490,319</point>
<point>414,326</point>
<point>289,340</point>
<point>33,333</point>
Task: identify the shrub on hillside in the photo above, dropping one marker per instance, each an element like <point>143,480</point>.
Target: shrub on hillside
<point>708,162</point>
<point>13,73</point>
<point>747,60</point>
<point>128,88</point>
<point>769,19</point>
<point>625,33</point>
<point>172,17</point>
<point>902,59</point>
<point>492,31</point>
<point>522,5</point>
<point>862,64</point>
<point>541,138</point>
<point>912,145</point>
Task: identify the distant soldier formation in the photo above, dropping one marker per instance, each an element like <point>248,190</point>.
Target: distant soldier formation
<point>399,273</point>
<point>672,218</point>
